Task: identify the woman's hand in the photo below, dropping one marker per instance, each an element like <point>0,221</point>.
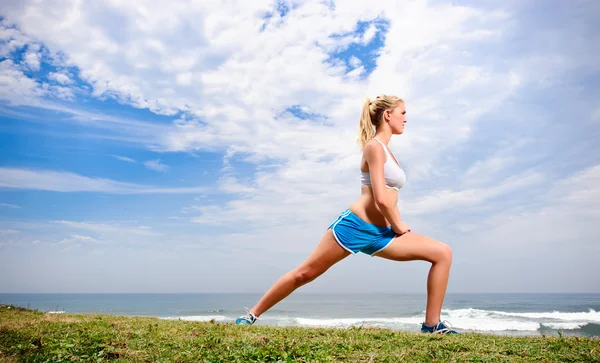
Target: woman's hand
<point>401,229</point>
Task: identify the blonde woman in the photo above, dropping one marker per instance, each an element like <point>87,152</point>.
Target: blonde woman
<point>372,225</point>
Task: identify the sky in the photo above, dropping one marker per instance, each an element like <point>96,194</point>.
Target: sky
<point>206,146</point>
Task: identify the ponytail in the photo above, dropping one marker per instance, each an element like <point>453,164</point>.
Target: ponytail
<point>371,116</point>
<point>365,125</point>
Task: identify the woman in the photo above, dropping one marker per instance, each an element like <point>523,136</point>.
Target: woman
<point>372,224</point>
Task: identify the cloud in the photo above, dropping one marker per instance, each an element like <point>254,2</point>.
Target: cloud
<point>16,87</point>
<point>101,126</point>
<point>117,234</point>
<point>354,62</point>
<point>107,233</point>
<point>9,205</point>
<point>61,78</point>
<point>11,39</point>
<point>156,165</point>
<point>559,233</point>
<point>124,158</point>
<point>20,90</point>
<point>452,200</point>
<point>59,181</point>
<point>580,192</point>
<point>369,34</point>
<point>32,57</point>
<point>76,240</point>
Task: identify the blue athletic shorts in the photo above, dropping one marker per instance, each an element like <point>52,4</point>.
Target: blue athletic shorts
<point>356,235</point>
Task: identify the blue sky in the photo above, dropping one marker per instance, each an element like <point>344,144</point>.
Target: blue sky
<point>199,147</point>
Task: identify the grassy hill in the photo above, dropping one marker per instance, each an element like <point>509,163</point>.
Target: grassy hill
<point>32,336</point>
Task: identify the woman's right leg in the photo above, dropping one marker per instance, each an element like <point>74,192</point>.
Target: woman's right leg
<point>413,246</point>
<point>327,253</point>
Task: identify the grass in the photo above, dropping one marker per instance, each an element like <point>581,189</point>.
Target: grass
<point>33,336</point>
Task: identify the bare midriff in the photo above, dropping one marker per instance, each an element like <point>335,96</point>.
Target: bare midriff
<point>367,209</point>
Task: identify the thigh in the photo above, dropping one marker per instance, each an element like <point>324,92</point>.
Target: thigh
<point>413,246</point>
<point>327,253</point>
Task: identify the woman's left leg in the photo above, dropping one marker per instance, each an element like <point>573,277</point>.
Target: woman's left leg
<point>413,246</point>
<point>327,253</point>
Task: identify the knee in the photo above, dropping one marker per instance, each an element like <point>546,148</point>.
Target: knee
<point>303,276</point>
<point>445,253</point>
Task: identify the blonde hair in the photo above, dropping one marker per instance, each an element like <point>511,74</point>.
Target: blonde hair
<point>372,115</point>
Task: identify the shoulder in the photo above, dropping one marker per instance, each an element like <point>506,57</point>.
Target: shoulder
<point>373,146</point>
<point>373,151</point>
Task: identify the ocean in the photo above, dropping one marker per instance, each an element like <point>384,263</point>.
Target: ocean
<point>502,314</point>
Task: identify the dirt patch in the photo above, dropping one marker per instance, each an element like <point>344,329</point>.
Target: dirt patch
<point>261,340</point>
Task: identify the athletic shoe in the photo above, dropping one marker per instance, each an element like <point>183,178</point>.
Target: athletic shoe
<point>441,328</point>
<point>247,319</point>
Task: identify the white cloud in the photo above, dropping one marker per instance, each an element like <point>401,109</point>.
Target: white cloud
<point>32,57</point>
<point>356,73</point>
<point>117,234</point>
<point>63,93</point>
<point>9,205</point>
<point>581,192</point>
<point>108,228</point>
<point>354,62</point>
<point>231,185</point>
<point>70,182</point>
<point>369,34</point>
<point>59,77</point>
<point>76,240</point>
<point>124,158</point>
<point>561,233</point>
<point>508,156</point>
<point>11,39</point>
<point>16,87</point>
<point>450,199</point>
<point>156,165</point>
<point>570,205</point>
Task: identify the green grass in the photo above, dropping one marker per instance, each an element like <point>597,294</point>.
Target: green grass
<point>33,336</point>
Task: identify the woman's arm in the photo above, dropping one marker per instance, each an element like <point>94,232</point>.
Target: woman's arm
<point>375,156</point>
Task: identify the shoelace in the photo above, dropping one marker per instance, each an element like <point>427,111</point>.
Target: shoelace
<point>250,316</point>
<point>447,328</point>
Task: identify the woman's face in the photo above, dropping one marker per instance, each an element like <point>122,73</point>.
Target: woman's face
<point>397,118</point>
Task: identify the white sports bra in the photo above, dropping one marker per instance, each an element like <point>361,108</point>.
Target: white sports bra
<point>393,173</point>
